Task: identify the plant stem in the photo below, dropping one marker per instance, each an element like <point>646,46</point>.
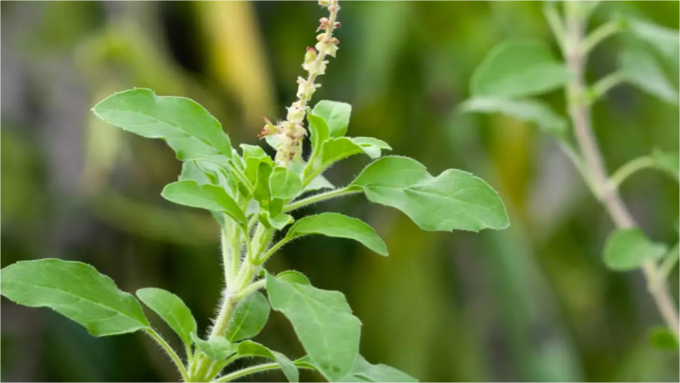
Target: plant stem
<point>602,187</point>
<point>605,84</point>
<point>630,168</point>
<point>173,355</point>
<point>253,287</point>
<point>248,371</point>
<point>320,197</point>
<point>599,35</point>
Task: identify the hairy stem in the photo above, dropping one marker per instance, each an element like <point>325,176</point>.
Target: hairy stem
<point>602,187</point>
<point>320,197</point>
<point>248,371</point>
<point>173,355</point>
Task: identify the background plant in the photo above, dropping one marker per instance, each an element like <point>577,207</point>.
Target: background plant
<point>532,302</point>
<point>515,72</point>
<point>250,196</point>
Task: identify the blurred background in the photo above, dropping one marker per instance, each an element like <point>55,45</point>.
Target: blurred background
<point>531,303</point>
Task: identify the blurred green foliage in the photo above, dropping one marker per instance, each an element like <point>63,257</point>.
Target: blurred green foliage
<point>533,302</point>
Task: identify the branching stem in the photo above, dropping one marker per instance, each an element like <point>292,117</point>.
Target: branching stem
<point>320,197</point>
<point>173,355</point>
<point>602,187</point>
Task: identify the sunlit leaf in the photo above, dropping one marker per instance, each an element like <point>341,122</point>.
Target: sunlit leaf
<point>336,114</point>
<point>641,69</point>
<point>284,184</point>
<point>362,371</point>
<point>339,226</point>
<point>209,197</point>
<point>668,162</point>
<point>454,200</point>
<point>75,290</point>
<point>252,349</point>
<point>323,322</point>
<point>217,349</point>
<point>249,319</point>
<point>171,309</point>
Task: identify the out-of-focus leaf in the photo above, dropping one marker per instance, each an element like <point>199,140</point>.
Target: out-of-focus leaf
<point>532,111</point>
<point>642,70</point>
<point>518,69</point>
<point>627,249</point>
<point>362,371</point>
<point>664,40</point>
<point>663,339</point>
<point>668,162</point>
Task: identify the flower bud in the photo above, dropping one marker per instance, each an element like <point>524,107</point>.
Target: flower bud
<point>310,56</point>
<point>315,67</point>
<point>324,3</point>
<point>323,24</point>
<point>268,129</point>
<point>328,47</point>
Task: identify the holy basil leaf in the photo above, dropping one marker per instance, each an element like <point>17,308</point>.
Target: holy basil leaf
<point>336,149</point>
<point>372,146</point>
<point>278,222</point>
<point>261,193</point>
<point>318,183</point>
<point>531,111</point>
<point>184,124</point>
<point>217,349</point>
<point>454,200</point>
<point>319,131</point>
<point>323,322</point>
<point>668,162</point>
<point>642,70</point>
<point>339,226</point>
<point>209,197</point>
<point>336,114</point>
<point>518,69</point>
<point>171,309</point>
<point>252,349</point>
<point>192,172</point>
<point>250,317</point>
<point>75,290</point>
<point>284,184</point>
<point>293,276</point>
<point>252,157</point>
<point>627,249</point>
<point>362,371</point>
<point>666,41</point>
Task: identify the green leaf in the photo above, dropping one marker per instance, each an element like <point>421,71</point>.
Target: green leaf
<point>253,156</point>
<point>318,183</point>
<point>339,226</point>
<point>336,114</point>
<point>362,371</point>
<point>249,319</point>
<point>217,349</point>
<point>171,309</point>
<point>319,131</point>
<point>627,249</point>
<point>531,111</point>
<point>261,193</point>
<point>278,222</point>
<point>209,197</point>
<point>663,339</point>
<point>454,200</point>
<point>323,322</point>
<point>252,349</point>
<point>641,69</point>
<point>336,149</point>
<point>518,69</point>
<point>293,276</point>
<point>666,41</point>
<point>75,290</point>
<point>284,184</point>
<point>184,124</point>
<point>668,162</point>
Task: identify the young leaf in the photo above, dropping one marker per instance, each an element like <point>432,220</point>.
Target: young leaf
<point>253,156</point>
<point>339,226</point>
<point>249,319</point>
<point>454,200</point>
<point>75,290</point>
<point>336,114</point>
<point>323,322</point>
<point>362,371</point>
<point>184,124</point>
<point>284,184</point>
<point>642,70</point>
<point>319,131</point>
<point>261,193</point>
<point>518,69</point>
<point>252,349</point>
<point>172,310</point>
<point>663,339</point>
<point>627,249</point>
<point>217,349</point>
<point>336,149</point>
<point>372,146</point>
<point>278,222</point>
<point>209,197</point>
<point>668,162</point>
<point>531,111</point>
<point>293,276</point>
